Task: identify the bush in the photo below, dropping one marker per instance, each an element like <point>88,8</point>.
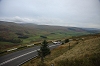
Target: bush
<point>43,36</point>
<point>16,41</point>
<point>23,36</point>
<point>66,40</point>
<point>3,52</point>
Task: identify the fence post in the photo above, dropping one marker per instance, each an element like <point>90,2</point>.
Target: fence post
<point>69,46</point>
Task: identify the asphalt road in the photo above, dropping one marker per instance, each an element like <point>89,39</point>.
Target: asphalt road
<point>19,57</point>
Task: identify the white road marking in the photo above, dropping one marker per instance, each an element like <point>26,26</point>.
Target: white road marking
<point>22,56</point>
<point>17,57</point>
<point>26,60</point>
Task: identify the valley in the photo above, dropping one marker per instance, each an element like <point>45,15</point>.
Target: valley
<point>15,34</point>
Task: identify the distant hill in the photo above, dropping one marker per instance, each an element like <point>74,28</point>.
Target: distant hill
<point>14,31</point>
<point>92,30</point>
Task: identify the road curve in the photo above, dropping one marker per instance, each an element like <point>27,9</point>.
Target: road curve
<point>19,57</point>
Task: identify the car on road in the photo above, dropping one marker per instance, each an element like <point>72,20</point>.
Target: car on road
<point>57,42</point>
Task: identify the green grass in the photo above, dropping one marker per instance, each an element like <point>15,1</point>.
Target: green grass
<point>36,38</point>
<point>58,35</point>
<point>6,45</point>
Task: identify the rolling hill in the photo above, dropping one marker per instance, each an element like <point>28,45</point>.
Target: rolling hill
<point>10,30</point>
<point>23,33</point>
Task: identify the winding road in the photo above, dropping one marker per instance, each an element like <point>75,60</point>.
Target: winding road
<point>20,57</point>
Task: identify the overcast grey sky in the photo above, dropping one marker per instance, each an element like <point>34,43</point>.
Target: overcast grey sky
<point>77,13</point>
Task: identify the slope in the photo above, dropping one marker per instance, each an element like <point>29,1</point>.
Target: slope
<point>12,34</point>
<point>83,52</point>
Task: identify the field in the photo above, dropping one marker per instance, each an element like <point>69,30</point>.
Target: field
<point>13,35</point>
<point>84,51</point>
<point>50,36</point>
<point>33,39</point>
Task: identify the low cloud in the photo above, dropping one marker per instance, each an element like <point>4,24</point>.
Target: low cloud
<point>39,20</point>
<point>51,21</point>
<point>77,13</point>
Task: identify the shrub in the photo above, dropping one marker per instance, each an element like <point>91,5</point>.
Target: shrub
<point>43,36</point>
<point>16,41</point>
<point>66,40</point>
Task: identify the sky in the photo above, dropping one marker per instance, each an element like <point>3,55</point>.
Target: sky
<point>73,13</point>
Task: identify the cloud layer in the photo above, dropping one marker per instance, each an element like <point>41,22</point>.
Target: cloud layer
<point>85,13</point>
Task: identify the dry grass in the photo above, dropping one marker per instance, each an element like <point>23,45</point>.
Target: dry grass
<point>82,53</point>
<point>82,50</point>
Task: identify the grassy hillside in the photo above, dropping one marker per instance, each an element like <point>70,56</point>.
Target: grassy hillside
<point>12,34</point>
<point>85,51</point>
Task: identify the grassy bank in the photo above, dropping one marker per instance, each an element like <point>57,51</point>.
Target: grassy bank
<point>82,53</point>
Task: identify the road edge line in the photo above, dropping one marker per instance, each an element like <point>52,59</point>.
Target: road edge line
<point>27,60</point>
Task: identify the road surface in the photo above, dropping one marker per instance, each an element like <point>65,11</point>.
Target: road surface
<point>19,57</point>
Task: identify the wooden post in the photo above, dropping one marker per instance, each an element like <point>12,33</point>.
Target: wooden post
<point>69,46</point>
